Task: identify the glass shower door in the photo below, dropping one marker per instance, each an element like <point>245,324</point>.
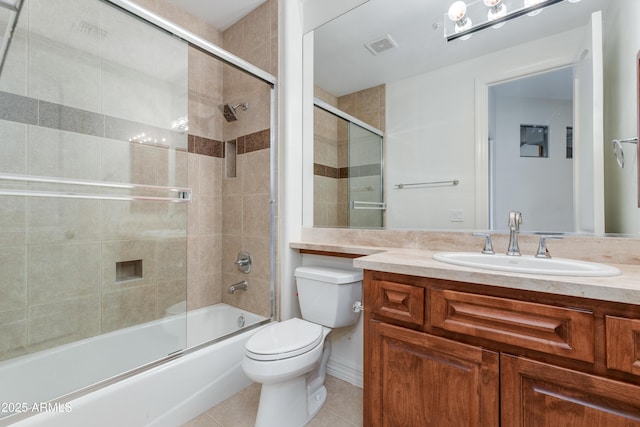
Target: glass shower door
<point>366,202</point>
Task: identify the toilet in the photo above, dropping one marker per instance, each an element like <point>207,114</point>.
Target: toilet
<point>289,358</point>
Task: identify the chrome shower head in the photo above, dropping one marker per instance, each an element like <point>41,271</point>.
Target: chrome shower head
<point>230,113</point>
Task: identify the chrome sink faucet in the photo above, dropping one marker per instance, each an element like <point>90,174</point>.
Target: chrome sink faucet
<point>515,219</point>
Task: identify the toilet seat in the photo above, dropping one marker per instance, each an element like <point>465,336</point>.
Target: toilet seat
<point>284,340</point>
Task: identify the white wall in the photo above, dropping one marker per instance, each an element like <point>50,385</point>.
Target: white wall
<point>536,187</point>
<point>431,131</point>
<point>621,45</point>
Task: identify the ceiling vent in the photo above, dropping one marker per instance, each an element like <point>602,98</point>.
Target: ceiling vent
<point>381,44</point>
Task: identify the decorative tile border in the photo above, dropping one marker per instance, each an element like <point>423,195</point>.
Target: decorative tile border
<point>36,112</point>
<point>260,140</point>
<point>205,146</point>
<point>346,172</point>
<point>31,111</point>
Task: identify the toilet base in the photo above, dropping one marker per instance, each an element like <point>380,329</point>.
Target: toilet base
<point>295,402</point>
<point>316,402</point>
<point>285,404</point>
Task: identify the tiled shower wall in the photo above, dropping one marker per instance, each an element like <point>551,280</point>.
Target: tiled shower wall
<point>229,214</point>
<point>331,150</point>
<point>72,98</point>
<point>70,283</point>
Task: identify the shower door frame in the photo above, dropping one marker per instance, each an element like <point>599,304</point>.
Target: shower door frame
<point>239,63</point>
<point>355,121</point>
<point>242,65</point>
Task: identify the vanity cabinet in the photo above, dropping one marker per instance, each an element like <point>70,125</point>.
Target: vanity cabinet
<point>450,354</point>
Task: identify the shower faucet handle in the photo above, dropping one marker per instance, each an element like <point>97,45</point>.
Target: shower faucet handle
<point>488,247</point>
<point>244,262</point>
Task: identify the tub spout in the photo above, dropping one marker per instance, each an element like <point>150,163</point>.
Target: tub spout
<point>240,286</point>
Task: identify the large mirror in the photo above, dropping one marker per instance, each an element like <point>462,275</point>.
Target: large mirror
<point>445,108</point>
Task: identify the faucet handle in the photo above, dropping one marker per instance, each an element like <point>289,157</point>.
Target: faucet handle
<point>488,247</point>
<point>542,251</point>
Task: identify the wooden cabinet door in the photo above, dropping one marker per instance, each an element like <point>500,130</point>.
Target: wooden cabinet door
<point>413,379</point>
<point>535,394</point>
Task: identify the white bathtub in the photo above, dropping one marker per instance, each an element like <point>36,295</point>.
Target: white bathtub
<point>169,394</point>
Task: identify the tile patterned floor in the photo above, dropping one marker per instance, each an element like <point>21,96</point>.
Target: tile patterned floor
<point>342,409</point>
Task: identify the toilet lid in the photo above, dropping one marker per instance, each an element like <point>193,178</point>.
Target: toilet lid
<point>284,340</point>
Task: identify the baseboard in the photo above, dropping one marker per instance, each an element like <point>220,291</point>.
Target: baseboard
<point>345,371</point>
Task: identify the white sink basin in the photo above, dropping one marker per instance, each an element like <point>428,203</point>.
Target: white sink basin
<point>527,264</point>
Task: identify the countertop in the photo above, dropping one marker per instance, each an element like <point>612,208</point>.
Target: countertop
<point>624,288</point>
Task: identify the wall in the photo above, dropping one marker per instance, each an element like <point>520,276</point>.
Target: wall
<point>246,198</point>
<point>621,46</point>
<point>533,186</point>
<point>82,83</point>
<point>435,140</point>
<point>229,214</point>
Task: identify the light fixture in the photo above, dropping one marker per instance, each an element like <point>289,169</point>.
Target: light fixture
<point>458,21</point>
<point>458,14</point>
<point>531,3</point>
<point>497,10</point>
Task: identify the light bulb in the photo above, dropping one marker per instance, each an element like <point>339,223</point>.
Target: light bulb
<point>529,3</point>
<point>496,10</point>
<point>457,11</point>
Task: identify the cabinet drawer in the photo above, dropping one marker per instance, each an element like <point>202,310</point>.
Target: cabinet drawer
<point>623,344</point>
<point>554,330</point>
<point>398,301</point>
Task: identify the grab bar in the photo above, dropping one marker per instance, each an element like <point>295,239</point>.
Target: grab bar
<point>380,206</point>
<point>451,182</point>
<point>183,194</point>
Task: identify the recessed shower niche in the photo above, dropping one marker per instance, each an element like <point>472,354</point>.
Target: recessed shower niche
<point>127,271</point>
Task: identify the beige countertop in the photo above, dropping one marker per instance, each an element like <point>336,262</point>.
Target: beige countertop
<point>624,288</point>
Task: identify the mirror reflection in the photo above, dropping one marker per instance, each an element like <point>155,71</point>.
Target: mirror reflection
<point>435,104</point>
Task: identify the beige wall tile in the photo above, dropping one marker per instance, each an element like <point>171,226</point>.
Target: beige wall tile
<point>232,215</point>
<point>124,251</point>
<point>13,227</point>
<point>58,153</point>
<point>61,272</point>
<point>65,70</point>
<point>255,215</point>
<point>14,147</point>
<point>210,216</point>
<point>203,291</point>
<point>13,329</point>
<point>211,169</point>
<point>255,299</point>
<point>58,220</point>
<point>258,247</point>
<point>128,307</point>
<point>193,256</point>
<point>232,245</point>
<point>171,259</point>
<point>256,172</point>
<point>52,324</point>
<point>169,293</point>
<point>13,280</point>
<point>210,255</point>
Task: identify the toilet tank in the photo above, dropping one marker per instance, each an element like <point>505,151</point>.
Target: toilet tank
<point>327,294</point>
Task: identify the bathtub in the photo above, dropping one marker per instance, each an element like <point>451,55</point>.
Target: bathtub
<point>161,394</point>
